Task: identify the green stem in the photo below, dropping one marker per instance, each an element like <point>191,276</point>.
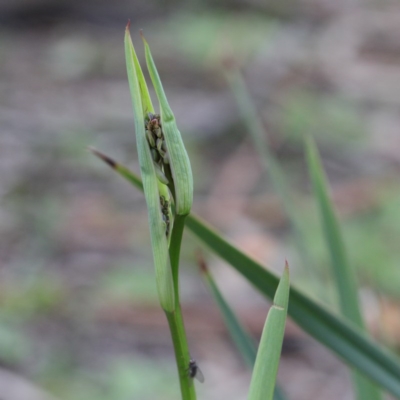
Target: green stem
<point>175,250</point>
<point>182,356</point>
<point>175,319</point>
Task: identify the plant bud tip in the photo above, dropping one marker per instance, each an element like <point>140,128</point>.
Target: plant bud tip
<point>128,25</point>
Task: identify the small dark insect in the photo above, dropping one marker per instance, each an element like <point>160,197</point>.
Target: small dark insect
<point>194,371</point>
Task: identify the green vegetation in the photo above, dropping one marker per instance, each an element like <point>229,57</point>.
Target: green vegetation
<point>373,364</point>
<point>80,272</point>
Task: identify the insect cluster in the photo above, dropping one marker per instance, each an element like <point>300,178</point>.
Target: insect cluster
<point>158,150</point>
<point>155,138</point>
<point>165,213</point>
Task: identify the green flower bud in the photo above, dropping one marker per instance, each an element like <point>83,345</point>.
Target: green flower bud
<point>177,155</point>
<point>160,219</point>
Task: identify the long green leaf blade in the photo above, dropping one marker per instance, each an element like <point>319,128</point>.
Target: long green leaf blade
<point>269,351</point>
<point>343,272</point>
<point>342,337</point>
<point>240,337</point>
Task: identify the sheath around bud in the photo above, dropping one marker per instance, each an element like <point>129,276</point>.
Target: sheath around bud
<point>155,190</point>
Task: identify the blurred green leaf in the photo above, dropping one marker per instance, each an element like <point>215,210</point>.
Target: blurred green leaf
<point>346,284</point>
<point>243,341</point>
<point>271,166</point>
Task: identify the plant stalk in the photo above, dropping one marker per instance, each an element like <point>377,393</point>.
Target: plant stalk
<point>175,319</point>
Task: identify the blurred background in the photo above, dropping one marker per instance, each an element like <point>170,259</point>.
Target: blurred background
<point>79,316</point>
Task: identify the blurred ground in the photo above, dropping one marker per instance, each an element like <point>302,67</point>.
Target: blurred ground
<point>78,309</point>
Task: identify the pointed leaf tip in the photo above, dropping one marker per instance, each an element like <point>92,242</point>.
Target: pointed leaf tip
<point>142,36</point>
<point>202,263</point>
<point>128,25</point>
<point>103,157</point>
<point>267,361</point>
<point>287,266</point>
<point>281,297</point>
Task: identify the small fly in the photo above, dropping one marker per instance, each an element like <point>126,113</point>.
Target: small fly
<point>194,371</point>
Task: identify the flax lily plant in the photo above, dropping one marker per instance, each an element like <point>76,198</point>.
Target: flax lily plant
<point>166,180</point>
<point>167,184</point>
<point>168,188</point>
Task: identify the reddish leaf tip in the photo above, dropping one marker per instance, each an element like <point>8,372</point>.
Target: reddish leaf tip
<point>142,36</point>
<point>128,25</point>
<point>201,262</point>
<point>286,265</point>
<point>102,156</point>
